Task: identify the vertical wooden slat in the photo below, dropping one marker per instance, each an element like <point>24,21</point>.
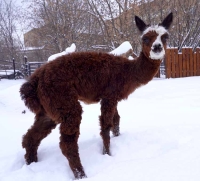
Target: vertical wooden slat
<point>168,64</point>
<point>187,62</point>
<point>176,62</point>
<point>184,61</point>
<point>180,62</point>
<point>173,63</point>
<point>171,72</point>
<point>198,61</point>
<point>165,63</point>
<point>195,63</point>
<point>191,62</point>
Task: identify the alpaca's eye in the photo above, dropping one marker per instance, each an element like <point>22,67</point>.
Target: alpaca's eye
<point>165,37</point>
<point>145,40</point>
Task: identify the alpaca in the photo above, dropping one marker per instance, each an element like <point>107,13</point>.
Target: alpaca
<point>54,90</point>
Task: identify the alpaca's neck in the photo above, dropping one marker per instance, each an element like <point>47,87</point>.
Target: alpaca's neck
<point>145,68</point>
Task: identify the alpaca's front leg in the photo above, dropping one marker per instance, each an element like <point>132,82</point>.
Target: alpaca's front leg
<point>108,108</point>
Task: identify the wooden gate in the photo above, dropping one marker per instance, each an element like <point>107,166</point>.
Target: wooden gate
<point>184,64</point>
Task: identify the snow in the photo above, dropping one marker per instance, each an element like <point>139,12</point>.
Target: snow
<point>123,48</point>
<point>6,72</point>
<point>31,48</point>
<point>159,138</point>
<point>68,50</point>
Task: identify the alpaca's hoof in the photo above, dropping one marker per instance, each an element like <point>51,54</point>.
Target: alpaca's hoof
<point>31,158</point>
<point>116,134</point>
<point>79,174</point>
<point>115,131</point>
<point>106,151</point>
<point>81,177</point>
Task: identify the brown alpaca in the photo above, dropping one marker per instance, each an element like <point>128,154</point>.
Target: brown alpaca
<point>54,90</point>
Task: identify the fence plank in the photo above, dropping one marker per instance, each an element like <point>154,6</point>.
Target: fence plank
<point>180,62</point>
<point>176,62</point>
<point>184,61</point>
<point>167,64</point>
<point>195,63</point>
<point>192,61</point>
<point>198,61</point>
<point>188,62</point>
<point>173,63</point>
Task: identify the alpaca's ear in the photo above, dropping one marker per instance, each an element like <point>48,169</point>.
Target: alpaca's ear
<point>167,21</point>
<point>140,24</point>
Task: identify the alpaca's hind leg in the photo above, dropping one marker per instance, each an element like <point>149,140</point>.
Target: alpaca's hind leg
<point>69,130</point>
<point>115,128</point>
<point>31,140</point>
<point>108,108</point>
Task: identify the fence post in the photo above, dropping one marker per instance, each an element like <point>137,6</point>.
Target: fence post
<point>14,67</point>
<point>29,69</point>
<point>26,66</point>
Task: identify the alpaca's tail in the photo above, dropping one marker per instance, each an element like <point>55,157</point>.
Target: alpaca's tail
<point>28,92</point>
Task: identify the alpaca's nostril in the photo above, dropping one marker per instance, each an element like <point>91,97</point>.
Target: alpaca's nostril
<point>157,48</point>
<point>157,45</point>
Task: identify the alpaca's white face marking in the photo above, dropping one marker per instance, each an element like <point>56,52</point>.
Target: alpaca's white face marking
<point>157,55</point>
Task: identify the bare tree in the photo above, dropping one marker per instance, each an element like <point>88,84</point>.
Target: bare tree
<point>60,23</point>
<point>8,29</point>
<point>187,24</point>
<point>116,19</point>
<point>104,23</point>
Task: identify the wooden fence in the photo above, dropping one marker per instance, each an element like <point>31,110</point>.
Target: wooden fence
<point>184,64</point>
<point>32,66</point>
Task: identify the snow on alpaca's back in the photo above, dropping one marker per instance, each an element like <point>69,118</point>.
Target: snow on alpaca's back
<point>123,48</point>
<point>68,50</point>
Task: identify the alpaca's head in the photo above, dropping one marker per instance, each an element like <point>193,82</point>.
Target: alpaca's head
<point>154,37</point>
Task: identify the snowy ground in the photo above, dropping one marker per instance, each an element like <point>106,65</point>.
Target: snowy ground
<point>159,141</point>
